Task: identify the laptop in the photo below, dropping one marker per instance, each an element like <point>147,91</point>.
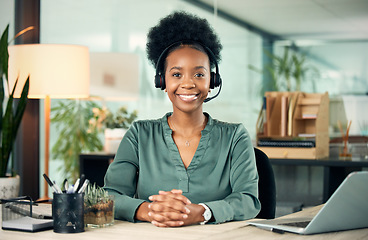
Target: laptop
<point>346,209</point>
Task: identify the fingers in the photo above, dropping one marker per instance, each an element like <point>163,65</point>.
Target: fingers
<point>169,205</point>
<point>173,206</point>
<point>168,224</point>
<point>177,191</point>
<point>167,218</point>
<point>173,194</point>
<point>168,209</point>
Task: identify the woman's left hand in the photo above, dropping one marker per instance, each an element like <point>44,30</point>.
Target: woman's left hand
<point>172,209</point>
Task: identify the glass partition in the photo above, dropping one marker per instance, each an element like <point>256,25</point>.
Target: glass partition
<point>7,16</point>
<point>112,26</point>
<point>119,27</point>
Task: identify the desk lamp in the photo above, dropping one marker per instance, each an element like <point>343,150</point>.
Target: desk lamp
<point>56,71</point>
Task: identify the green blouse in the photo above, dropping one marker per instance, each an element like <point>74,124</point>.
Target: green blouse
<point>222,173</point>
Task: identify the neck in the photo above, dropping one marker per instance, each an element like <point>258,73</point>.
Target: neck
<point>188,124</point>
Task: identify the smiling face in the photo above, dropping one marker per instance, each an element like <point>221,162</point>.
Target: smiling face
<point>187,78</point>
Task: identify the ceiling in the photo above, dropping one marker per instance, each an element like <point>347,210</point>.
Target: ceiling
<point>323,20</point>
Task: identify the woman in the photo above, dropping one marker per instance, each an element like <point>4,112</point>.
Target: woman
<point>185,168</point>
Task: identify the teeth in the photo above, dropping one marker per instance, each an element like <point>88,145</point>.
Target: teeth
<point>188,97</point>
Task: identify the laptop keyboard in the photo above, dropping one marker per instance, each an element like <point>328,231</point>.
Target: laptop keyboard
<point>297,224</point>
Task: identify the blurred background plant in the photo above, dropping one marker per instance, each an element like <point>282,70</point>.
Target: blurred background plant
<point>71,119</point>
<point>287,72</point>
<point>104,118</point>
<point>79,124</point>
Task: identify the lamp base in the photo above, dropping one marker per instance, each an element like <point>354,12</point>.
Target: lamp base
<point>44,199</point>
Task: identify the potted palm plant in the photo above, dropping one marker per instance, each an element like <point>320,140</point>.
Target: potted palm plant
<point>10,118</point>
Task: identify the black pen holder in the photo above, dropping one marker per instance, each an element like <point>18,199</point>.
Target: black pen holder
<point>68,212</point>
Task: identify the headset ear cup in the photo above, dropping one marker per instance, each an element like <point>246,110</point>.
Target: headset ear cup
<point>212,80</point>
<point>157,81</point>
<point>215,80</point>
<point>163,83</point>
<point>160,81</point>
<point>218,80</point>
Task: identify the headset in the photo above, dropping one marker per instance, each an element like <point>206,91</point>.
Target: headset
<point>215,80</point>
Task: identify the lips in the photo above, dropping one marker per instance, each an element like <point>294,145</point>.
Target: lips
<point>188,97</point>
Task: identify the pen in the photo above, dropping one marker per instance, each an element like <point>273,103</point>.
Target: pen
<point>81,182</point>
<point>57,187</point>
<point>76,185</point>
<point>81,190</point>
<point>70,189</point>
<point>50,183</point>
<point>271,229</point>
<point>66,184</point>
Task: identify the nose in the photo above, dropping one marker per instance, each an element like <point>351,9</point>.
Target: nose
<point>187,82</point>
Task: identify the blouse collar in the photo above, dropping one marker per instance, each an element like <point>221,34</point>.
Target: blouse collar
<point>167,128</point>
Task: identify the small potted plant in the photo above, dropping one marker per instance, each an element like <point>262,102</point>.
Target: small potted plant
<point>98,207</point>
<point>113,125</point>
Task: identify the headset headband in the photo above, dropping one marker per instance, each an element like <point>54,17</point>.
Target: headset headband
<point>186,42</point>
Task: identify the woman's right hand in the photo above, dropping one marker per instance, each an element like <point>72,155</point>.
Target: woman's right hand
<point>169,209</point>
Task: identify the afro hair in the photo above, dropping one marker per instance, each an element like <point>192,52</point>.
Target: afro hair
<point>181,27</point>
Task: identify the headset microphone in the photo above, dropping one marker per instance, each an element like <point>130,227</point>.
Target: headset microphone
<point>218,92</point>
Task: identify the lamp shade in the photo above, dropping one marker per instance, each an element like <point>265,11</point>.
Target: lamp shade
<point>54,70</point>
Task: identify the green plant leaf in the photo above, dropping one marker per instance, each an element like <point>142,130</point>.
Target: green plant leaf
<point>4,55</point>
<point>11,123</point>
<point>7,135</point>
<point>2,93</point>
<point>10,120</point>
<point>21,107</point>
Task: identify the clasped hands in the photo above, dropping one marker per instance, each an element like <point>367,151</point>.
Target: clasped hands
<point>170,209</point>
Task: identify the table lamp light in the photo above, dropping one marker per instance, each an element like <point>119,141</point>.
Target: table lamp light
<point>56,71</point>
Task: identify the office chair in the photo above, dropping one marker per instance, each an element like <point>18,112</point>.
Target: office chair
<point>266,186</point>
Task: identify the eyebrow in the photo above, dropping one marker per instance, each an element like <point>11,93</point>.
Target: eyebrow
<point>179,68</point>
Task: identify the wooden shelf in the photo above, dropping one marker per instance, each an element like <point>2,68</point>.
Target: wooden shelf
<point>295,115</point>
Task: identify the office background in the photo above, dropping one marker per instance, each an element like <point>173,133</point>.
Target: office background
<point>120,26</point>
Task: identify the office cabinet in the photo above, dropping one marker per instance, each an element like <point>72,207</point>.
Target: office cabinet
<point>94,166</point>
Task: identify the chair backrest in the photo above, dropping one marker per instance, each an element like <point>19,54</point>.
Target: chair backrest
<point>266,186</point>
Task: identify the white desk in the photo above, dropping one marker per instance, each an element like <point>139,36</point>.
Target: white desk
<point>232,230</point>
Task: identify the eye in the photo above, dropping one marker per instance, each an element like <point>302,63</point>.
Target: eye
<point>199,75</point>
<point>176,75</point>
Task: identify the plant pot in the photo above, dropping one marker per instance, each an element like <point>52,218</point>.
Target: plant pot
<point>9,187</point>
<point>100,213</point>
<point>113,138</point>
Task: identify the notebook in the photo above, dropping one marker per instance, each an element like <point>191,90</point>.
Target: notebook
<point>27,224</point>
<point>346,209</point>
<point>40,210</point>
